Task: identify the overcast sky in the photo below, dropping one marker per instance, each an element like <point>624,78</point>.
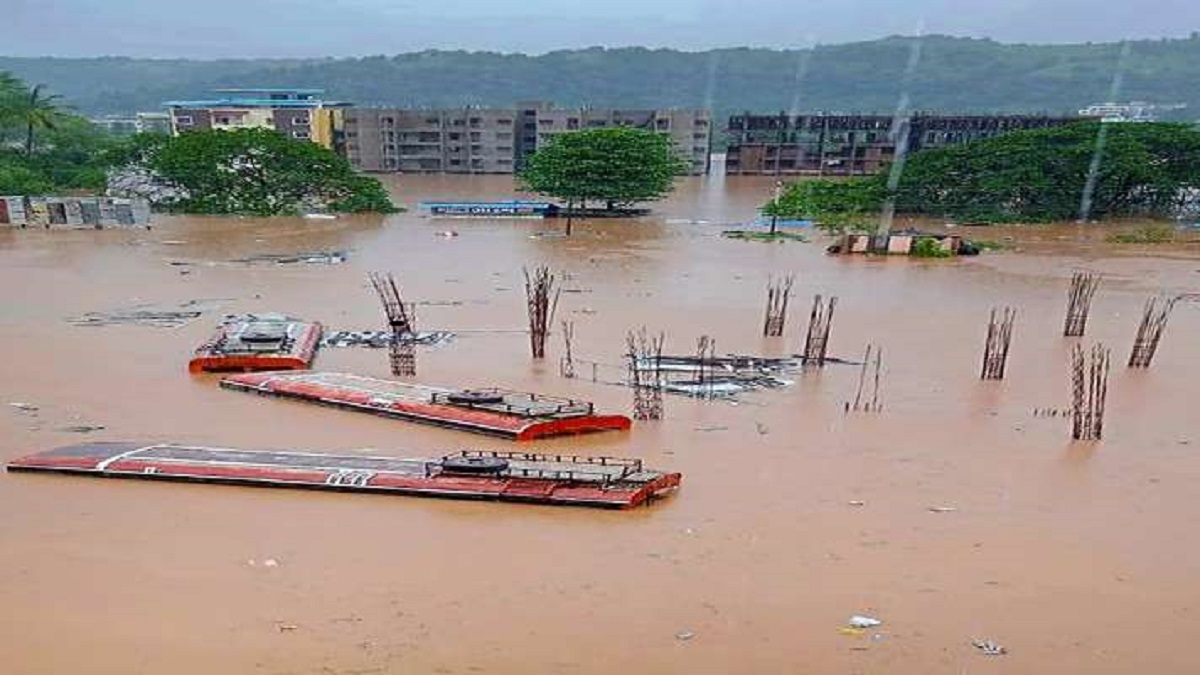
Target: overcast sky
<point>246,28</point>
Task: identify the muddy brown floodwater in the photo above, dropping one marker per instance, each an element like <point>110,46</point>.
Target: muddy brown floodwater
<point>1077,558</point>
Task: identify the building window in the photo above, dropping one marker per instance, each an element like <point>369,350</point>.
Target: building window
<point>503,136</point>
<point>459,123</point>
<point>704,123</point>
<point>475,121</point>
<point>301,134</point>
<point>455,162</point>
<point>572,122</point>
<point>504,122</point>
<point>699,137</point>
<point>455,137</point>
<point>300,120</point>
<point>184,120</point>
<point>475,135</point>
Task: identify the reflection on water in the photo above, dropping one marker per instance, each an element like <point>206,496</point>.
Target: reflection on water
<point>1073,557</point>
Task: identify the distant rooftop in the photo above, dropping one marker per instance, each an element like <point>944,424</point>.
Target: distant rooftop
<point>233,102</point>
<point>270,90</point>
<point>262,97</point>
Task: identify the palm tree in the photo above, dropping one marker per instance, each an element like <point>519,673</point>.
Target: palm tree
<point>12,90</point>
<point>38,110</point>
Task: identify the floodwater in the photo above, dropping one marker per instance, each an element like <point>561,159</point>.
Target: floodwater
<point>1078,558</point>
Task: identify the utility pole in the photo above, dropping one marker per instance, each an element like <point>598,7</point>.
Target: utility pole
<point>775,206</point>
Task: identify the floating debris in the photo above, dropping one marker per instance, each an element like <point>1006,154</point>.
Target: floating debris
<point>860,621</point>
<point>942,509</point>
<point>24,407</point>
<point>381,339</point>
<point>989,647</point>
<point>149,315</point>
<point>684,635</point>
<point>82,428</point>
<point>306,258</point>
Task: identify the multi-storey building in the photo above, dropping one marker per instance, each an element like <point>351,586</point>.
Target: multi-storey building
<point>465,140</point>
<point>479,140</point>
<point>851,145</point>
<point>297,113</point>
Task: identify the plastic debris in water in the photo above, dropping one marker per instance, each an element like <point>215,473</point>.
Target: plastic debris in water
<point>942,509</point>
<point>859,621</point>
<point>684,635</point>
<point>989,648</point>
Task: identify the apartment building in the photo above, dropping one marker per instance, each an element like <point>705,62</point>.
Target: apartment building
<point>690,129</point>
<point>297,113</point>
<point>465,140</point>
<point>852,145</point>
<point>486,140</point>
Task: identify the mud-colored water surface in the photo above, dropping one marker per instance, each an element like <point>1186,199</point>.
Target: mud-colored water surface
<point>792,517</point>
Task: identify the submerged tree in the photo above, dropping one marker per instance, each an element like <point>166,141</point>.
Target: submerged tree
<point>253,171</point>
<point>618,166</point>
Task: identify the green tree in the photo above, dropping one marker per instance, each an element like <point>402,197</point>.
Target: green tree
<point>257,172</point>
<point>1147,169</point>
<point>836,205</point>
<point>33,110</point>
<point>619,166</point>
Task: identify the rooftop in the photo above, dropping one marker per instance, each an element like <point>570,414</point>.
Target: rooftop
<point>232,102</point>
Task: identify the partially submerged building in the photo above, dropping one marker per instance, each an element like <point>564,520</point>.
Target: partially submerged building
<point>82,212</point>
<point>302,114</point>
<point>498,140</point>
<point>854,145</point>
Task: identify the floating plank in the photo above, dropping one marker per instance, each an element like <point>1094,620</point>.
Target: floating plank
<point>560,479</point>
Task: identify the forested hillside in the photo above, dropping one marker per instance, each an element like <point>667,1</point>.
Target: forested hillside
<point>951,75</point>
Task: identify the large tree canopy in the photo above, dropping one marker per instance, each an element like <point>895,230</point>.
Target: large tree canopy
<point>1145,169</point>
<point>254,172</point>
<point>1037,176</point>
<point>619,166</point>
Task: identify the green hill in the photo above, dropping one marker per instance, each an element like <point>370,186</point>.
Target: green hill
<point>953,75</point>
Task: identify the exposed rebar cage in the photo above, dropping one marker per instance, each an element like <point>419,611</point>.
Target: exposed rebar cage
<point>864,401</point>
<point>706,354</point>
<point>645,374</point>
<point>778,292</point>
<point>1079,302</point>
<point>1089,391</point>
<point>1150,330</point>
<point>995,348</point>
<point>541,294</point>
<point>401,322</point>
<point>566,367</point>
<point>820,321</point>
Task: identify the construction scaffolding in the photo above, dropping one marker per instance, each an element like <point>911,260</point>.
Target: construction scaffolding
<point>1089,391</point>
<point>1079,302</point>
<point>872,360</point>
<point>820,320</point>
<point>402,322</point>
<point>995,348</point>
<point>778,291</point>
<point>1150,330</point>
<point>541,295</point>
<point>647,383</point>
<point>706,357</point>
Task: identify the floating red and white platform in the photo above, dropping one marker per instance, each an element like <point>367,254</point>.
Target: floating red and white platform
<point>513,415</point>
<point>258,342</point>
<point>611,482</point>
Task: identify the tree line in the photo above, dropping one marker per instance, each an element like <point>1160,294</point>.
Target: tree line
<point>953,75</point>
<point>1087,170</point>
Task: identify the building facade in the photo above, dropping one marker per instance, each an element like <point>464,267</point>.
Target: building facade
<point>853,145</point>
<point>140,123</point>
<point>297,113</point>
<point>464,140</point>
<point>498,140</point>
